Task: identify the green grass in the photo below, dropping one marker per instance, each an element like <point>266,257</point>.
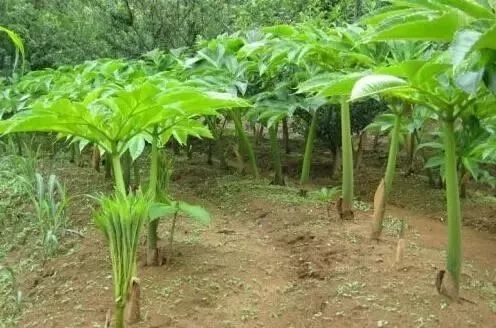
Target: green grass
<point>232,186</point>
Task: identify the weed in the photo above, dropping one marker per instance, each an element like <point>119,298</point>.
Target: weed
<point>361,205</point>
<point>10,297</point>
<point>50,201</point>
<point>393,226</point>
<point>350,289</point>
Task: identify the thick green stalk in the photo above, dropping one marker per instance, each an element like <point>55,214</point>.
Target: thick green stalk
<point>119,178</point>
<point>386,184</point>
<point>285,135</point>
<point>152,189</point>
<point>394,145</point>
<point>126,169</point>
<point>347,155</point>
<point>454,259</point>
<point>276,155</point>
<point>307,157</point>
<point>119,316</point>
<point>245,144</point>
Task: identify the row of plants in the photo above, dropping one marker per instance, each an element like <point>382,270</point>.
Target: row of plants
<point>433,87</point>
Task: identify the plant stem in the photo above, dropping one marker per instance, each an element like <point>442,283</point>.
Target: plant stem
<point>119,178</point>
<point>285,135</point>
<point>276,155</point>
<point>347,154</point>
<point>394,145</point>
<point>126,167</point>
<point>172,230</point>
<point>245,143</point>
<point>307,157</point>
<point>453,204</point>
<point>119,316</point>
<point>152,189</point>
<point>385,186</point>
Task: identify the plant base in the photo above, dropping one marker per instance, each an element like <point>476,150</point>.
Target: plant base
<point>344,210</point>
<point>132,310</point>
<point>379,210</point>
<point>446,285</point>
<point>154,257</point>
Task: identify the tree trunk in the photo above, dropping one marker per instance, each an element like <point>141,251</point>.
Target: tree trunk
<point>451,281</point>
<point>411,144</point>
<point>210,151</point>
<point>464,180</point>
<point>136,174</point>
<point>285,135</point>
<point>259,136</point>
<point>108,166</point>
<point>307,157</point>
<point>118,176</point>
<point>276,155</point>
<point>95,159</point>
<point>152,254</point>
<point>383,192</point>
<point>244,144</point>
<point>376,141</point>
<point>126,165</point>
<point>336,163</point>
<point>345,207</point>
<point>189,148</point>
<point>359,151</point>
<point>171,235</point>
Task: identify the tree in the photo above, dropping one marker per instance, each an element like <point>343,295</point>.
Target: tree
<point>407,81</point>
<point>470,26</point>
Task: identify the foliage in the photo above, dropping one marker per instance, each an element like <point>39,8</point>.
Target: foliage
<point>11,298</point>
<point>121,218</point>
<point>50,202</point>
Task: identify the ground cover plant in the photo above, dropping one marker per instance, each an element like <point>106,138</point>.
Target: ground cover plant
<point>310,171</point>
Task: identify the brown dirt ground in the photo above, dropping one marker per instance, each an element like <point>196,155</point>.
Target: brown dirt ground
<point>269,262</point>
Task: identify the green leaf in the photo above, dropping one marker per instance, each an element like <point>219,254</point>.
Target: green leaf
<point>195,212</point>
<point>487,39</point>
<point>428,28</point>
<point>158,210</point>
<point>376,84</point>
<point>470,7</point>
<point>435,161</point>
<point>463,43</point>
<point>136,146</point>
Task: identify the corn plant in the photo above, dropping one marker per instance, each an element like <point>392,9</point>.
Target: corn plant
<point>121,218</point>
<point>50,201</point>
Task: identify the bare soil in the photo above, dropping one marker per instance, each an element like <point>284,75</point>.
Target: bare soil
<point>271,258</point>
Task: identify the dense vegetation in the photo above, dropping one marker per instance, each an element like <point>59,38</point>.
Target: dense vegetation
<point>130,79</point>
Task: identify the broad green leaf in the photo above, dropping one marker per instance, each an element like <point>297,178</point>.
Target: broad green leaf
<point>195,212</point>
<point>487,39</point>
<point>136,146</point>
<point>463,43</point>
<point>429,28</point>
<point>435,161</point>
<point>158,210</point>
<point>376,84</point>
<point>470,7</point>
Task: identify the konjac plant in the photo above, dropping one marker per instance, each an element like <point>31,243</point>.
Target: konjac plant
<point>470,28</point>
